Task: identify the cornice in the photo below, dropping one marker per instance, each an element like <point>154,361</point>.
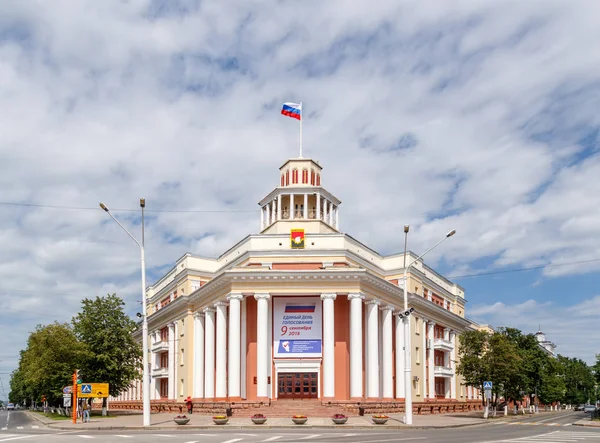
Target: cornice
<point>425,308</point>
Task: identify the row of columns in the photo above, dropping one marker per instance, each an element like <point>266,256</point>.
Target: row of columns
<point>217,370</point>
<point>272,211</point>
<point>449,358</point>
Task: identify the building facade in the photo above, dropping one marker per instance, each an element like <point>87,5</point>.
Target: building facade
<point>302,311</point>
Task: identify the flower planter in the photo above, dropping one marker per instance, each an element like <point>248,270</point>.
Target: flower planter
<point>181,421</point>
<point>220,421</point>
<point>379,421</point>
<point>299,421</point>
<point>259,421</point>
<point>340,421</point>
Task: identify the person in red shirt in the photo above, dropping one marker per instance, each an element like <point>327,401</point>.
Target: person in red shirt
<point>188,402</point>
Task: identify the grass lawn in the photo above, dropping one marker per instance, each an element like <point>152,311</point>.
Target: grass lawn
<point>52,416</point>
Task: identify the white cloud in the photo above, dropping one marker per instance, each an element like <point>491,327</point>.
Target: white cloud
<point>110,101</point>
<point>572,329</point>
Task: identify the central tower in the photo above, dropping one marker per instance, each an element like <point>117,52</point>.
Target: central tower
<point>299,201</point>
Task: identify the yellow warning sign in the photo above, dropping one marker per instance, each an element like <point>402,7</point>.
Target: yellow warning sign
<point>92,390</point>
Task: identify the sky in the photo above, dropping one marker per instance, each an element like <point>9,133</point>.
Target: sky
<point>477,116</point>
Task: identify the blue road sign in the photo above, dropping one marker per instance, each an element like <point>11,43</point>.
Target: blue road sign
<point>487,385</point>
<point>86,389</point>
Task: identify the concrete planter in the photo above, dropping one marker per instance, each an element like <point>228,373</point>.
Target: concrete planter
<point>182,421</point>
<point>379,421</point>
<point>220,421</point>
<point>259,421</point>
<point>340,421</point>
<point>299,421</point>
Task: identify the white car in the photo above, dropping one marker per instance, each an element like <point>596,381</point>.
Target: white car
<point>10,407</point>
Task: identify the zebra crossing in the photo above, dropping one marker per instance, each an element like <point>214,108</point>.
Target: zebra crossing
<point>556,437</point>
<point>531,423</point>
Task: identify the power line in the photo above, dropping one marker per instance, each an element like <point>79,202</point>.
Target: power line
<point>84,208</point>
<point>531,268</point>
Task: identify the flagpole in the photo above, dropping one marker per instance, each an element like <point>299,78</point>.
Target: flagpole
<point>300,129</point>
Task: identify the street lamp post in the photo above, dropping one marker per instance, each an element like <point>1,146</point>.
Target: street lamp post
<point>145,375</point>
<point>408,413</point>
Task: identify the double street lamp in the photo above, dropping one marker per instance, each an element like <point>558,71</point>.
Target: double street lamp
<point>145,375</point>
<point>408,417</point>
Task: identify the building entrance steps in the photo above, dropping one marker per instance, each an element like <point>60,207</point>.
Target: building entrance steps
<point>310,408</point>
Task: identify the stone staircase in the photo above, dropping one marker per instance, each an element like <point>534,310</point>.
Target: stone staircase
<point>310,408</point>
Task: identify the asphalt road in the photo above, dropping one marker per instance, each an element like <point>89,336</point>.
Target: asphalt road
<point>543,428</point>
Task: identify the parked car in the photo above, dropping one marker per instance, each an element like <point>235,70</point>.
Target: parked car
<point>589,408</point>
<point>10,407</point>
<point>579,407</point>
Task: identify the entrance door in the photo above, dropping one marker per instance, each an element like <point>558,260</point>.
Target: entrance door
<point>297,385</point>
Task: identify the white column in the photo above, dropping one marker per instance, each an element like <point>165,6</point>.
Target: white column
<point>328,346</point>
<point>399,357</point>
<point>221,368</point>
<point>356,345</point>
<point>209,353</point>
<point>273,211</point>
<point>198,384</point>
<point>234,368</point>
<point>318,197</point>
<point>337,217</point>
<point>262,218</point>
<point>172,362</point>
<point>423,357</point>
<point>373,348</point>
<point>292,206</point>
<point>452,365</point>
<point>268,206</point>
<point>243,352</point>
<point>386,357</point>
<point>279,207</point>
<point>326,214</point>
<point>431,360</point>
<point>262,310</point>
<point>305,214</point>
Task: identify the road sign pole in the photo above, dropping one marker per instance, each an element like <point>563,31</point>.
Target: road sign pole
<point>74,405</point>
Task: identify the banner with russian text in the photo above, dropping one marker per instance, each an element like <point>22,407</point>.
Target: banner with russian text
<point>297,326</point>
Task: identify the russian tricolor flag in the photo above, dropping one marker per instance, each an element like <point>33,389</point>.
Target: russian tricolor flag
<point>293,110</point>
<point>299,308</point>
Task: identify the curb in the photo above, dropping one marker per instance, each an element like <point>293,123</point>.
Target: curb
<point>255,427</point>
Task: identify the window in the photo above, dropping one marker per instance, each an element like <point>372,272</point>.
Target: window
<point>182,358</point>
<point>305,176</point>
<point>164,387</point>
<point>438,358</point>
<point>417,388</point>
<point>318,179</point>
<point>164,360</point>
<point>164,334</point>
<point>312,178</point>
<point>438,332</point>
<point>282,180</point>
<point>182,326</point>
<point>181,388</point>
<point>417,328</point>
<point>417,356</point>
<point>287,177</point>
<point>295,176</point>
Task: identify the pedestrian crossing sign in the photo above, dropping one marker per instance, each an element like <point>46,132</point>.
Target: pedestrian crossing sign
<point>487,385</point>
<point>92,390</point>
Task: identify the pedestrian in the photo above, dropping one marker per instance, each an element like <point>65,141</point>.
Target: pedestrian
<point>86,412</point>
<point>190,405</point>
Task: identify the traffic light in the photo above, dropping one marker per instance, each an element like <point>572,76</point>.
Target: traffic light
<point>406,313</point>
<point>75,377</point>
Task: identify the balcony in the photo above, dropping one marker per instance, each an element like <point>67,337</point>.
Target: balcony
<point>160,372</point>
<point>443,345</point>
<point>161,346</point>
<point>443,371</point>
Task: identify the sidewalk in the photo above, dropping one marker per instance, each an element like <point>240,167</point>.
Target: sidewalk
<point>164,421</point>
<point>588,423</point>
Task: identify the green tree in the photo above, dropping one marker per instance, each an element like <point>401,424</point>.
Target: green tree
<point>47,363</point>
<point>579,380</point>
<point>552,384</point>
<point>113,356</point>
<point>472,346</point>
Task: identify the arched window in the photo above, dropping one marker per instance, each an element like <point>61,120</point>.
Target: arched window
<point>312,178</point>
<point>282,180</point>
<point>318,179</point>
<point>295,176</point>
<point>305,176</point>
<point>287,177</point>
